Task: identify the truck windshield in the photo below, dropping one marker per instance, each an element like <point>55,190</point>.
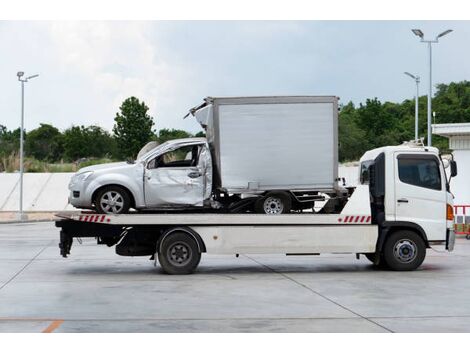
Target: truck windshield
<point>364,172</point>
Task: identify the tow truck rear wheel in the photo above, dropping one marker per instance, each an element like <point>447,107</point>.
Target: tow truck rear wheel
<point>179,253</point>
<point>404,250</point>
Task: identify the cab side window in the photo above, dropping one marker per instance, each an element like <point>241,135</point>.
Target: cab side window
<point>186,156</point>
<point>419,170</point>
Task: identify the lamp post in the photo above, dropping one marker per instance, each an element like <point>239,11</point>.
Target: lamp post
<point>21,215</point>
<point>420,34</point>
<point>416,78</point>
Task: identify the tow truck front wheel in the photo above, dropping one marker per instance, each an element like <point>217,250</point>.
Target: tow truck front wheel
<point>179,254</point>
<point>404,250</point>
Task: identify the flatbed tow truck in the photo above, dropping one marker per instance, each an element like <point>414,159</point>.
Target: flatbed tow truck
<point>401,207</point>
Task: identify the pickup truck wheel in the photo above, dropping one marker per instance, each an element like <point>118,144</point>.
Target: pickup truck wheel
<point>112,200</point>
<point>179,254</point>
<point>274,203</point>
<point>404,250</point>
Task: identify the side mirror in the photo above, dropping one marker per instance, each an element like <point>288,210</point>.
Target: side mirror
<point>453,168</point>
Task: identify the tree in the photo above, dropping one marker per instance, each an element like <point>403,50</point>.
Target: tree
<point>9,141</point>
<point>166,134</point>
<point>133,127</point>
<point>44,143</point>
<point>84,142</point>
<point>352,141</point>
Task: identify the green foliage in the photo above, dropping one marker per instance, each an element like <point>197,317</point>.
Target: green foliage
<point>166,134</point>
<point>375,124</point>
<point>44,143</point>
<point>352,141</point>
<point>133,127</point>
<point>83,142</point>
<point>9,141</point>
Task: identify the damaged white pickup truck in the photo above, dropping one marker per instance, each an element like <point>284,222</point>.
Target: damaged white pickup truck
<point>262,154</point>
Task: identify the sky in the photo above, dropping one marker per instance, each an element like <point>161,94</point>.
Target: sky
<point>86,69</point>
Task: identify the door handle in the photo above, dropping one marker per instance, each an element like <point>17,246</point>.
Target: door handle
<point>402,200</point>
<point>194,174</point>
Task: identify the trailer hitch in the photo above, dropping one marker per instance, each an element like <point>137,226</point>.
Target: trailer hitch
<point>65,243</point>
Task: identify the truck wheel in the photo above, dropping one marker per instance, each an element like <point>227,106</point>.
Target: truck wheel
<point>112,200</point>
<point>179,254</point>
<point>274,203</point>
<point>404,250</point>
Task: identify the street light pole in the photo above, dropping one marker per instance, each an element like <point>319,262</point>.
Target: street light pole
<point>417,79</point>
<point>21,215</point>
<point>420,34</point>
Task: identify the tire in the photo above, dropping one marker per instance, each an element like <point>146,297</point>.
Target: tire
<point>404,250</point>
<point>179,254</point>
<point>112,200</point>
<point>274,203</point>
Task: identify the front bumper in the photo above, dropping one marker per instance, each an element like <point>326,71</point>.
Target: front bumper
<point>78,199</point>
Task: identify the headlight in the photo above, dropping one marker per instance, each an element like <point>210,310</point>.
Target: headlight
<point>82,176</point>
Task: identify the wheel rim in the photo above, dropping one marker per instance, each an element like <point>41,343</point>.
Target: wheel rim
<point>179,254</point>
<point>112,202</point>
<point>405,250</point>
<point>273,205</point>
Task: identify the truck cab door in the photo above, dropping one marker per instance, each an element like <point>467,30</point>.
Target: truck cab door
<point>176,177</point>
<point>420,192</point>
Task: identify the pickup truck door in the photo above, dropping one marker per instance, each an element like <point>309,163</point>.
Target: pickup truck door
<point>420,193</point>
<point>176,177</point>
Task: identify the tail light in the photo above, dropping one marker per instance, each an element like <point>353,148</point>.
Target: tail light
<point>450,212</point>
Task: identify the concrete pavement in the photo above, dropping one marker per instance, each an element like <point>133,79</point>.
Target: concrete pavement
<point>94,290</point>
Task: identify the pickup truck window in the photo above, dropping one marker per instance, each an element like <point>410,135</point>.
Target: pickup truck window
<point>419,170</point>
<point>186,156</point>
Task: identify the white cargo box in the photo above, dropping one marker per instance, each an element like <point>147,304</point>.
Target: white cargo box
<point>272,143</point>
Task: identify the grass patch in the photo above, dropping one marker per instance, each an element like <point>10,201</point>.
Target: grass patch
<point>11,163</point>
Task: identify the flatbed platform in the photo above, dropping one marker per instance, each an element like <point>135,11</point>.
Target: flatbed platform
<point>218,219</point>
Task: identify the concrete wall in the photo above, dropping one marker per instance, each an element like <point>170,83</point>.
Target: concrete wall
<point>41,192</point>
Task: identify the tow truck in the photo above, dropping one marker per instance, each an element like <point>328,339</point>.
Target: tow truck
<point>401,207</point>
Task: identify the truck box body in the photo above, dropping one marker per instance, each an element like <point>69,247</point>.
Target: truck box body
<point>272,143</point>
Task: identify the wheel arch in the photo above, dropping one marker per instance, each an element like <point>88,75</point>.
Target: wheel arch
<point>97,190</point>
<point>200,243</point>
<point>389,227</point>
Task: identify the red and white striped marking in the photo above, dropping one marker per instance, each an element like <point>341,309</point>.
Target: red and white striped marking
<point>94,218</point>
<point>355,219</point>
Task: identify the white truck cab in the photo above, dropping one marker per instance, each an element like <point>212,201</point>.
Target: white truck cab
<point>409,189</point>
